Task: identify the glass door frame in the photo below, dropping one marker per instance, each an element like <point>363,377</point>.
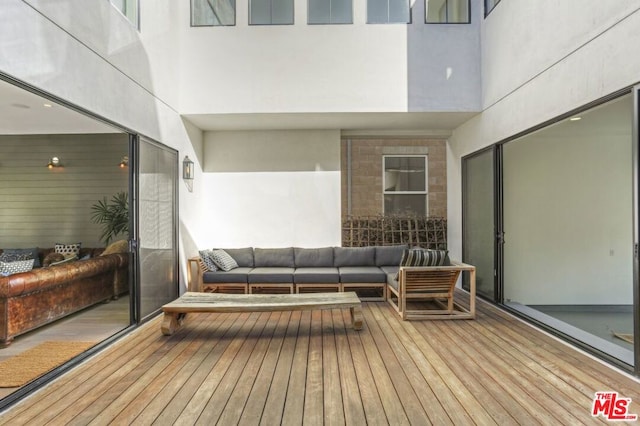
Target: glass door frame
<point>134,243</point>
<point>635,136</point>
<point>498,241</point>
<point>501,239</point>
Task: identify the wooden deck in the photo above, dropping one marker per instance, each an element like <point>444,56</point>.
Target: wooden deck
<point>312,367</point>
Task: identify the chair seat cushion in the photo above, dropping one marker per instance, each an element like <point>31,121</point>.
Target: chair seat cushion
<point>316,275</point>
<point>391,272</point>
<point>362,274</point>
<point>236,276</point>
<point>271,275</point>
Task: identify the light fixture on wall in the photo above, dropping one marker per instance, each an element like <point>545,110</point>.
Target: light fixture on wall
<point>188,173</point>
<point>124,162</point>
<point>54,162</point>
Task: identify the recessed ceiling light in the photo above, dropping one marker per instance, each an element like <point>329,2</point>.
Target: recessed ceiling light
<point>575,118</point>
<point>47,105</point>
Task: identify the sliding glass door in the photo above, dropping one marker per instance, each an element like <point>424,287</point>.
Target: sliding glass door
<point>479,221</point>
<point>157,234</point>
<point>550,220</point>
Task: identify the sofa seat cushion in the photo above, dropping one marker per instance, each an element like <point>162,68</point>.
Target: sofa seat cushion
<point>362,274</point>
<point>274,275</point>
<point>313,257</point>
<point>391,272</point>
<point>316,276</point>
<point>237,275</point>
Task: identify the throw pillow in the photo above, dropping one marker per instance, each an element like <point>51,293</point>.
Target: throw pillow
<point>68,248</point>
<point>28,253</point>
<point>52,258</point>
<point>205,255</point>
<point>10,268</point>
<point>422,257</point>
<point>120,246</point>
<point>223,261</point>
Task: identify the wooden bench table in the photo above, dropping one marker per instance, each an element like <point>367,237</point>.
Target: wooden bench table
<point>175,312</point>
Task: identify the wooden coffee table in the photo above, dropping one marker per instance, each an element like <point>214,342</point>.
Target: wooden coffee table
<point>176,311</point>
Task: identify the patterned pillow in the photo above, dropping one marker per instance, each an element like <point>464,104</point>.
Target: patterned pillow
<point>68,248</point>
<point>422,257</point>
<point>14,257</point>
<point>205,255</point>
<point>9,268</point>
<point>31,253</point>
<point>223,261</point>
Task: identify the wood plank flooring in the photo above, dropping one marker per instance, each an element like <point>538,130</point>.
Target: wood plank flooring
<point>311,368</point>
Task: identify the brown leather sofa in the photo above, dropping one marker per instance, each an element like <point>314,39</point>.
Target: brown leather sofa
<point>32,299</point>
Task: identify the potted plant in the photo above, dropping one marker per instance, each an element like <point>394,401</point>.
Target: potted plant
<point>112,215</point>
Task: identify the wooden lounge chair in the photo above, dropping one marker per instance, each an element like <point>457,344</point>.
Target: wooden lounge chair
<point>427,292</point>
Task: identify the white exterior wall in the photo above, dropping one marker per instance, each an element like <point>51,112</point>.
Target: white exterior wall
<point>90,56</point>
<point>330,68</point>
<point>271,189</point>
<point>583,51</point>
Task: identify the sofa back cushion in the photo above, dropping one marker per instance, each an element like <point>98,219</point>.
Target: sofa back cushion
<point>279,257</point>
<point>389,255</point>
<point>313,257</point>
<point>242,256</point>
<point>354,256</point>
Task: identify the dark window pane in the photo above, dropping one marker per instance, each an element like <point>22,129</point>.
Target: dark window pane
<point>282,11</point>
<point>377,12</point>
<point>405,204</point>
<point>319,12</point>
<point>341,12</point>
<point>399,11</point>
<point>260,12</point>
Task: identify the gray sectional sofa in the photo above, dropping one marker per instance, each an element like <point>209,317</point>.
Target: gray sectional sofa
<point>365,270</point>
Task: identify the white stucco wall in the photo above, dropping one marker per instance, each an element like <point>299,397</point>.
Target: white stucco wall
<point>271,189</point>
<point>358,67</point>
<point>560,69</point>
<point>90,56</point>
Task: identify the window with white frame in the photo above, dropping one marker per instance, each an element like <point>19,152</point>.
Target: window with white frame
<point>447,11</point>
<point>128,8</point>
<point>330,12</point>
<point>270,12</point>
<point>213,13</point>
<point>388,11</point>
<point>404,180</point>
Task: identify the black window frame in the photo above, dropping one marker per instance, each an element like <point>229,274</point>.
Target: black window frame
<point>468,21</point>
<point>328,23</point>
<point>388,22</point>
<point>487,9</point>
<point>235,17</point>
<point>293,15</point>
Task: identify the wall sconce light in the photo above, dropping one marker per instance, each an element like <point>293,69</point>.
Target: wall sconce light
<point>188,172</point>
<point>54,162</point>
<point>125,162</point>
<point>187,169</point>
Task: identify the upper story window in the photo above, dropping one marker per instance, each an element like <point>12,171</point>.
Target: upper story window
<point>270,12</point>
<point>405,184</point>
<point>213,12</point>
<point>330,12</point>
<point>388,11</point>
<point>128,8</point>
<point>489,5</point>
<point>447,11</point>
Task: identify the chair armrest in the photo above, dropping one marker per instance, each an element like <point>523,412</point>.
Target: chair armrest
<point>201,268</point>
